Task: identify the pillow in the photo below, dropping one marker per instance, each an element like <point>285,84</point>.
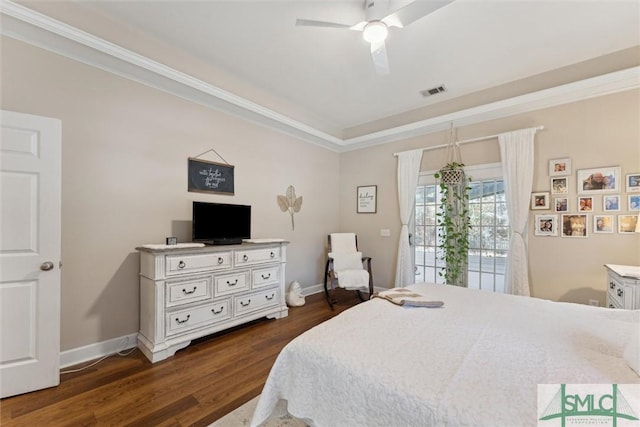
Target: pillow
<point>632,353</point>
<point>346,260</point>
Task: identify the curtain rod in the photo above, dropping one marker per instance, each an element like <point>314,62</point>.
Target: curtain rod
<point>466,141</point>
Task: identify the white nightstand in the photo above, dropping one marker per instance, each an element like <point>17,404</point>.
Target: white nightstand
<point>623,286</point>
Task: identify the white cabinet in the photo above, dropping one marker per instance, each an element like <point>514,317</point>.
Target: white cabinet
<point>623,286</point>
<point>188,293</point>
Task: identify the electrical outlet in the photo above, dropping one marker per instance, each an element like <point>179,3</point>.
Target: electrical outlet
<point>594,302</point>
<point>385,232</point>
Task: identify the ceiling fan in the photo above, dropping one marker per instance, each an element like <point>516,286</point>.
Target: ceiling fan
<point>375,27</point>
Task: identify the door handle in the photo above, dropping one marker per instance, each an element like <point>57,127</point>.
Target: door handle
<point>46,266</point>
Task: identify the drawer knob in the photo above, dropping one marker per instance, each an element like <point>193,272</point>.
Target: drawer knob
<point>620,292</point>
<point>186,292</point>
<point>213,310</point>
<point>269,298</point>
<point>220,260</point>
<point>183,321</point>
<point>273,255</point>
<point>612,285</point>
<point>245,257</point>
<point>181,264</point>
<point>265,276</point>
<point>232,284</point>
<point>245,304</point>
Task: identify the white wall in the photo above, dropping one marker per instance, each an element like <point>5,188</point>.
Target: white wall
<point>124,182</point>
<point>602,131</point>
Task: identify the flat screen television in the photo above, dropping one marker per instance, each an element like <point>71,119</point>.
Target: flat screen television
<point>220,223</point>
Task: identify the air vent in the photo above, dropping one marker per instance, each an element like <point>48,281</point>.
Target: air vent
<point>433,91</point>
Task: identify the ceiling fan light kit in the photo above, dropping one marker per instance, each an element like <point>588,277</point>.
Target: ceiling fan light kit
<point>375,32</point>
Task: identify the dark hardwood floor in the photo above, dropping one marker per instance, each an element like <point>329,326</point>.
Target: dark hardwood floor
<point>199,385</point>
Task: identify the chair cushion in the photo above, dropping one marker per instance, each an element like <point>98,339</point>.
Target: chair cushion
<point>346,260</point>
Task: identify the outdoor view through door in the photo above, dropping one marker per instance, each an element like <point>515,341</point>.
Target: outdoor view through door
<point>488,237</point>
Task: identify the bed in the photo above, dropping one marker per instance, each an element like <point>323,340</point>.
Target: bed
<point>475,361</point>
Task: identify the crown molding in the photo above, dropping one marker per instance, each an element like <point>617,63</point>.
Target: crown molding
<point>40,30</point>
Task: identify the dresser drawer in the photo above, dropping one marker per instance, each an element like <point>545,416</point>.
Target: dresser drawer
<point>187,291</point>
<point>265,276</point>
<point>187,319</point>
<point>181,264</point>
<point>256,301</point>
<point>256,256</point>
<point>230,283</point>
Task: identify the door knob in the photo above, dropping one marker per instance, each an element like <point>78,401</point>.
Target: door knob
<point>46,266</point>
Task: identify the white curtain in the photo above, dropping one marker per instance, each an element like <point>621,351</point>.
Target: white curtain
<point>408,170</point>
<point>516,151</point>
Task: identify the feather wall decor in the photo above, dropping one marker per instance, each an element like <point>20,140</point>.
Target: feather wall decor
<point>290,203</point>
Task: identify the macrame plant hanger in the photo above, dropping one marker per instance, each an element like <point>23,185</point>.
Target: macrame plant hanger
<point>453,172</point>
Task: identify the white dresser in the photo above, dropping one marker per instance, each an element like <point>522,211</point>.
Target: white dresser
<point>192,292</point>
<point>623,286</point>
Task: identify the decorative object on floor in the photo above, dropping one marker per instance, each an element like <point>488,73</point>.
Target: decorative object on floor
<point>290,203</point>
<point>367,199</point>
<point>242,417</point>
<point>295,298</point>
<point>210,177</point>
<point>453,219</point>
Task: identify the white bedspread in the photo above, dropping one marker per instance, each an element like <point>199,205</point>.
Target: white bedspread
<point>474,362</point>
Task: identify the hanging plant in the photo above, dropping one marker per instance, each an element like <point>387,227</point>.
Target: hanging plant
<point>453,219</point>
<point>290,203</point>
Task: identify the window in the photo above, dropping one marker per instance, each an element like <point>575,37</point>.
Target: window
<point>488,237</point>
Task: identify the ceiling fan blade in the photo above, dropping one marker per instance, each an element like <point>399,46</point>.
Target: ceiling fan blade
<point>312,23</point>
<point>413,11</point>
<point>379,56</point>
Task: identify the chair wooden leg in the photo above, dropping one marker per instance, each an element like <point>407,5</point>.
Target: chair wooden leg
<point>329,295</point>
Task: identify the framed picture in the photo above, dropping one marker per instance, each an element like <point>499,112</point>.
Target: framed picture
<point>611,203</point>
<point>560,167</point>
<point>210,177</point>
<point>599,180</point>
<point>560,185</point>
<point>603,223</point>
<point>585,204</point>
<point>367,199</point>
<point>574,225</point>
<point>561,204</point>
<point>540,200</point>
<point>627,223</point>
<point>546,225</point>
<point>634,202</point>
<point>633,182</point>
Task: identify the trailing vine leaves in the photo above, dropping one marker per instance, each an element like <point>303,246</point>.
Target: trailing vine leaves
<point>290,203</point>
<point>453,223</point>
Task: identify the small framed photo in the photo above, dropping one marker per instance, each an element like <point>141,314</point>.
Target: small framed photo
<point>627,223</point>
<point>599,180</point>
<point>171,241</point>
<point>560,185</point>
<point>546,225</point>
<point>560,167</point>
<point>634,203</point>
<point>367,199</point>
<point>540,200</point>
<point>585,204</point>
<point>611,203</point>
<point>561,204</point>
<point>603,224</point>
<point>633,182</point>
<point>574,225</point>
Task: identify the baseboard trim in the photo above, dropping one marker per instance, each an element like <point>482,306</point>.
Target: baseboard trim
<point>94,351</point>
<point>97,350</point>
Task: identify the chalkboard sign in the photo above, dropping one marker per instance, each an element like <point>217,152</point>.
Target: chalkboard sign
<point>210,177</point>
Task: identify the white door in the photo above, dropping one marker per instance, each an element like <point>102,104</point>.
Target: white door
<point>30,161</point>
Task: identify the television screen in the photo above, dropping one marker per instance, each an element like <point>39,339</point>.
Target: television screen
<point>219,223</point>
